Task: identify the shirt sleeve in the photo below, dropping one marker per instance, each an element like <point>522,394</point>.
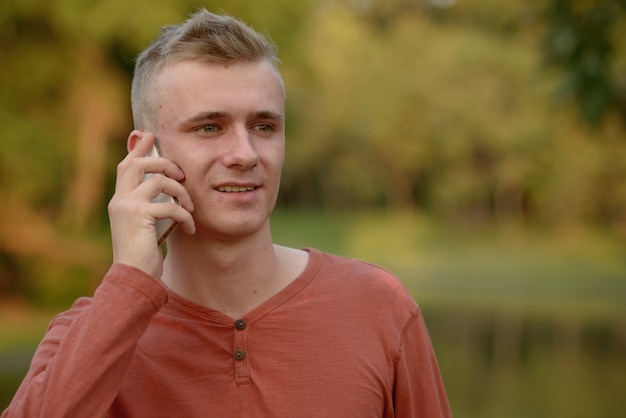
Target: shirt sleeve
<point>79,366</point>
<point>419,390</point>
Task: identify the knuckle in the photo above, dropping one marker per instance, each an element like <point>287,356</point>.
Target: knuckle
<point>158,177</point>
<point>121,166</point>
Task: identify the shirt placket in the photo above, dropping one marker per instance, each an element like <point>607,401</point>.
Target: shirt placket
<point>240,353</point>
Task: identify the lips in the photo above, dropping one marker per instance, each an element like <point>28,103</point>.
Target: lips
<point>235,189</point>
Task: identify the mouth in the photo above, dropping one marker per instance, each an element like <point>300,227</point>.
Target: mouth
<point>235,189</point>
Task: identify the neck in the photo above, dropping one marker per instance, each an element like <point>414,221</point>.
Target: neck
<point>231,277</point>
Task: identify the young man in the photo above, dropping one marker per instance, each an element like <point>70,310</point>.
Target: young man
<point>229,324</point>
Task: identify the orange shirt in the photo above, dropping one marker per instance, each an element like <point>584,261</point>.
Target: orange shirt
<point>344,339</point>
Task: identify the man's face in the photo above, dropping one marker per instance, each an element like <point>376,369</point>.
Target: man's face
<point>224,127</point>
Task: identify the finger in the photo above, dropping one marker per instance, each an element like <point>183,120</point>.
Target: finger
<point>165,166</point>
<point>140,143</point>
<point>133,171</point>
<point>161,164</point>
<point>159,183</point>
<point>178,214</point>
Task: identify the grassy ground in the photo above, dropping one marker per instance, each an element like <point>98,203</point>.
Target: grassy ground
<point>525,323</point>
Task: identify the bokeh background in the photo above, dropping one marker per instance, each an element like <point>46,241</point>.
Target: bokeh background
<point>475,148</point>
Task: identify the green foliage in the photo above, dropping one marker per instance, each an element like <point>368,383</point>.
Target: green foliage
<point>583,40</point>
<point>448,115</point>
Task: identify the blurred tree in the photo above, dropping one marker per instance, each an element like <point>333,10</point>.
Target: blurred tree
<point>63,101</point>
<point>585,40</point>
<point>445,111</point>
<point>401,106</point>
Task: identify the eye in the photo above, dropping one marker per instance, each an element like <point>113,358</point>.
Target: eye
<point>264,127</point>
<point>208,129</point>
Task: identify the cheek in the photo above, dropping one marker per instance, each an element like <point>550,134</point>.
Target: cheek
<point>193,182</point>
<point>276,158</point>
<point>189,162</point>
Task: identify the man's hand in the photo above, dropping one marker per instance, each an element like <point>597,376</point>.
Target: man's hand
<point>133,215</point>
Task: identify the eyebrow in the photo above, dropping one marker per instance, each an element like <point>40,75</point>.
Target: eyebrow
<point>203,116</point>
<point>269,115</point>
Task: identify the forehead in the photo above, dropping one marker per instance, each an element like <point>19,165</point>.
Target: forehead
<point>191,86</point>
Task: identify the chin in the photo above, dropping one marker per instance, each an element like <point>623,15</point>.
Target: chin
<point>235,227</point>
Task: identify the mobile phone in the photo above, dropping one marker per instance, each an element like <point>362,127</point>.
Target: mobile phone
<point>163,226</point>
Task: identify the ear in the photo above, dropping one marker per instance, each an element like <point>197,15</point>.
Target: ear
<point>134,137</point>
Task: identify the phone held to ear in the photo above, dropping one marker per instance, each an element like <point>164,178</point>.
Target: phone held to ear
<point>163,226</point>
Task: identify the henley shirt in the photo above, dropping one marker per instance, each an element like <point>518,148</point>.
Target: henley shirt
<point>344,339</point>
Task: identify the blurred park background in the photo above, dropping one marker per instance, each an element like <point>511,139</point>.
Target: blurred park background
<point>475,148</point>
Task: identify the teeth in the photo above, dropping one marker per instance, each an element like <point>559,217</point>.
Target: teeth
<point>235,189</point>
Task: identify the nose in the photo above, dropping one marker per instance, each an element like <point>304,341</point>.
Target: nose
<point>240,150</point>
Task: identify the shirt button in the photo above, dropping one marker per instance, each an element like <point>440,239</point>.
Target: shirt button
<point>239,354</point>
<point>240,324</point>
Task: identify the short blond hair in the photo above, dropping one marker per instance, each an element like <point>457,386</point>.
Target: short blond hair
<point>203,37</point>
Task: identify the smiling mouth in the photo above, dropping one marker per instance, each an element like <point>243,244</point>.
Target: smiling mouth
<point>235,189</point>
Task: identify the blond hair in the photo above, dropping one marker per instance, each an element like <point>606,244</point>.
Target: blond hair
<point>204,37</point>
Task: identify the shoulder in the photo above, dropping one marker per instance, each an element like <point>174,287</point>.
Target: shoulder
<point>362,280</point>
<point>369,297</point>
